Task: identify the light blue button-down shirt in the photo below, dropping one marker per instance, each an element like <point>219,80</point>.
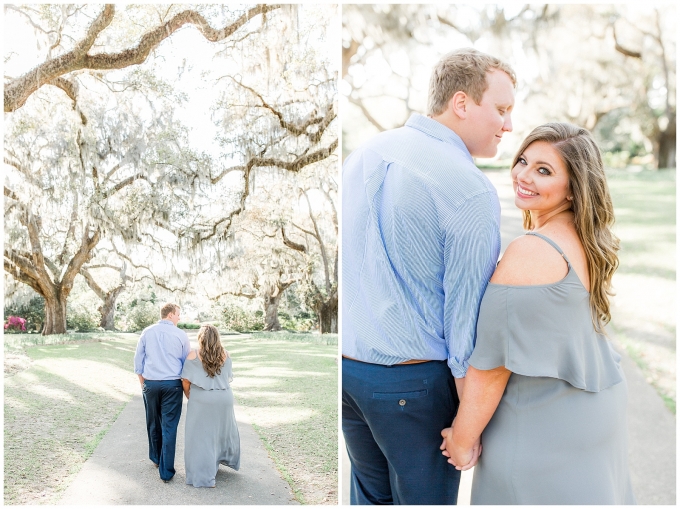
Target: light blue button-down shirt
<point>420,240</point>
<point>161,351</point>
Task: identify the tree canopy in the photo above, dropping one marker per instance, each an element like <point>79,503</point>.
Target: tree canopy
<point>150,140</point>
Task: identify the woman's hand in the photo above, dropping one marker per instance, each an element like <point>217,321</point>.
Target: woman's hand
<point>186,387</point>
<point>461,457</point>
<point>482,392</point>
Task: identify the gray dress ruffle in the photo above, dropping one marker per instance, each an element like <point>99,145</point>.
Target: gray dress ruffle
<point>211,436</point>
<point>559,434</point>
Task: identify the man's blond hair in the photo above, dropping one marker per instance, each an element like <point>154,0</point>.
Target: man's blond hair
<point>462,70</point>
<point>167,309</point>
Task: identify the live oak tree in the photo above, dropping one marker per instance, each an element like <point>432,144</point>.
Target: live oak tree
<point>127,171</point>
<point>111,272</point>
<point>260,268</point>
<point>287,238</point>
<point>72,182</point>
<point>314,233</point>
<point>291,120</point>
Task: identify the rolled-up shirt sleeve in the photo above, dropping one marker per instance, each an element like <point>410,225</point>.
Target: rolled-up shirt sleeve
<point>473,228</point>
<point>140,354</point>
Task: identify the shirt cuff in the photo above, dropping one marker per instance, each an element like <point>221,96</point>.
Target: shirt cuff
<point>458,369</point>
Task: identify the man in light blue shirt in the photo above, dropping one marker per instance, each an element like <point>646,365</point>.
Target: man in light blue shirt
<point>161,351</point>
<point>420,232</point>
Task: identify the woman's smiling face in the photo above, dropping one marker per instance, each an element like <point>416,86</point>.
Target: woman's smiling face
<point>541,179</point>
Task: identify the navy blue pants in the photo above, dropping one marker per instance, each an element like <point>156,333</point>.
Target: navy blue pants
<point>163,404</point>
<point>392,417</point>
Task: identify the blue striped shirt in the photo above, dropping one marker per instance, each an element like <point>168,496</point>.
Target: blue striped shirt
<point>420,240</point>
<point>161,351</point>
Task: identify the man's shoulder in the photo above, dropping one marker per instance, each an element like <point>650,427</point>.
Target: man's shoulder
<point>150,328</point>
<point>389,142</point>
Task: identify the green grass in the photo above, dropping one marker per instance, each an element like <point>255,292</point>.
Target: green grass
<point>645,221</point>
<point>288,385</point>
<point>297,492</point>
<point>58,410</point>
<point>644,310</point>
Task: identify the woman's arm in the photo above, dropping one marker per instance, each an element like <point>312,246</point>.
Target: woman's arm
<point>186,386</point>
<point>481,394</point>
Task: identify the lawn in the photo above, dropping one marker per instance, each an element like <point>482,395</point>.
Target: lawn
<point>287,387</point>
<point>644,309</point>
<point>61,399</point>
<point>59,407</point>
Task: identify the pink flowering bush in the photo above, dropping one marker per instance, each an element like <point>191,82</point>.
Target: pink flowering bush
<point>15,324</point>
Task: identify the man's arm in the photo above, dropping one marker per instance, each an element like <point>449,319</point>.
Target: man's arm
<point>471,248</point>
<point>483,392</point>
<point>186,347</point>
<point>140,354</point>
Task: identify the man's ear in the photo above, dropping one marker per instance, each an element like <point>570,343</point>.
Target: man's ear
<point>458,104</point>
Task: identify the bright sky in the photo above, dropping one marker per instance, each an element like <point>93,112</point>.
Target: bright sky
<point>186,48</point>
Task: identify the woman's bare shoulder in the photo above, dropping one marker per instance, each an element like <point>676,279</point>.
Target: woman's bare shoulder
<point>192,355</point>
<point>529,260</point>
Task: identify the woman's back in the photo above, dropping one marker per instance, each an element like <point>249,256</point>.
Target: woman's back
<point>558,434</point>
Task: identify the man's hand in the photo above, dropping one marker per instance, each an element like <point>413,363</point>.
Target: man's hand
<point>463,458</point>
<point>141,380</point>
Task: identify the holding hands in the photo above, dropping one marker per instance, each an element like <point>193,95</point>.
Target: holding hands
<point>460,455</point>
<point>481,393</point>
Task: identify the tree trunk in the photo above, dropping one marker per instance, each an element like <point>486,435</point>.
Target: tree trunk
<point>271,310</point>
<point>108,309</point>
<point>327,311</point>
<point>667,146</point>
<point>55,315</point>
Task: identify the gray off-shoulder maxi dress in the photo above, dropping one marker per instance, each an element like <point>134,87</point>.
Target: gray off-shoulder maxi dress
<point>211,436</point>
<point>559,435</point>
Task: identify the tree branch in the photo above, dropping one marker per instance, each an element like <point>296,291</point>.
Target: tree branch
<point>71,229</point>
<point>19,89</point>
<point>322,247</point>
<point>125,182</point>
<point>92,283</point>
<point>621,49</point>
<point>83,254</point>
<point>293,245</point>
<point>367,114</point>
<point>298,130</point>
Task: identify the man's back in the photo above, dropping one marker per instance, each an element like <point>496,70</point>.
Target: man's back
<point>161,351</point>
<point>420,240</point>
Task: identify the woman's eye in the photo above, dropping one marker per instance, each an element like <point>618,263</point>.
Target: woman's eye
<point>544,171</point>
<point>521,160</point>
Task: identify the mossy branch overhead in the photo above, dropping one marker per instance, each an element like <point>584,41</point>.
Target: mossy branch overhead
<point>18,90</point>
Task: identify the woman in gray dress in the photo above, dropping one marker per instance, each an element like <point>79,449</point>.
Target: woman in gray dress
<point>544,384</point>
<point>211,436</point>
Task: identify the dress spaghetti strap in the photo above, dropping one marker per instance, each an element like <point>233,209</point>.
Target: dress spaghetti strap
<point>552,243</point>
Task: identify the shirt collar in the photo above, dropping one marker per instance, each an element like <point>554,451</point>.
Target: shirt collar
<point>437,130</point>
<point>168,322</point>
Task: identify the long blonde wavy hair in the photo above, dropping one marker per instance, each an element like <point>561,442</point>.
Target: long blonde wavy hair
<point>591,204</point>
<point>211,350</point>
